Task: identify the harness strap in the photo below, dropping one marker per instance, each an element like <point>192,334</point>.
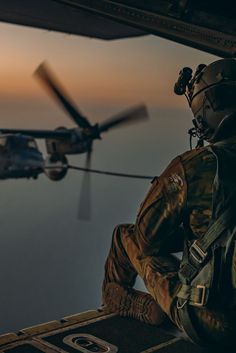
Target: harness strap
<point>187,325</point>
<point>214,232</point>
<point>195,296</point>
<point>198,251</point>
<point>196,257</point>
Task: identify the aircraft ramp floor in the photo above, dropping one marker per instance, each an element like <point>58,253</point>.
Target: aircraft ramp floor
<point>96,331</point>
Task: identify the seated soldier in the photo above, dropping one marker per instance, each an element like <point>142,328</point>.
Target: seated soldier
<point>198,293</point>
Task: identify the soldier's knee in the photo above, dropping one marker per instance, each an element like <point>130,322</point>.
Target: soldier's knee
<point>120,231</point>
<point>117,231</point>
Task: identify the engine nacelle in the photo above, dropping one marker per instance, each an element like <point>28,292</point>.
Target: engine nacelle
<point>79,142</point>
<point>56,167</point>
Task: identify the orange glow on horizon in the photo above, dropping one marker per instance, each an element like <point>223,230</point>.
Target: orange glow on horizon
<point>117,72</point>
<point>20,85</point>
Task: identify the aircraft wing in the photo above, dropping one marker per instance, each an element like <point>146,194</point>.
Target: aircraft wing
<point>40,134</point>
<point>56,16</point>
<point>205,25</point>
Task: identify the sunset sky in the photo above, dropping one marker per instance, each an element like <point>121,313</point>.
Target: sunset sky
<point>94,71</point>
<point>51,263</point>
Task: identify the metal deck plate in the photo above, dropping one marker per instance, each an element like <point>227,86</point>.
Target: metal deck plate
<point>95,332</point>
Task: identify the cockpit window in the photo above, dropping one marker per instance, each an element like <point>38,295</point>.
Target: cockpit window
<point>31,144</point>
<point>2,141</point>
<point>21,142</point>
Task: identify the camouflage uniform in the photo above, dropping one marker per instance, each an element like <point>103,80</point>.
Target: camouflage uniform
<point>177,207</point>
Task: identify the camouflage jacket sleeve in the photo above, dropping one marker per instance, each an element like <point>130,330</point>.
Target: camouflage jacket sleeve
<point>161,214</point>
<point>182,194</point>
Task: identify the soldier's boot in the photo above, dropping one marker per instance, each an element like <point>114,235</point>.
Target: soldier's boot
<point>129,302</point>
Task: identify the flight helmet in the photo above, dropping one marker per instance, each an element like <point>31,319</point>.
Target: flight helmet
<point>211,93</point>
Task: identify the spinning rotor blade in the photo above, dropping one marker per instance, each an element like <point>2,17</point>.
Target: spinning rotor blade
<point>135,114</point>
<point>84,212</point>
<point>52,85</point>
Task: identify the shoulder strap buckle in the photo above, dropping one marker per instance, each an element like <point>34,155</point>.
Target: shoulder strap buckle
<point>197,253</point>
<point>202,296</point>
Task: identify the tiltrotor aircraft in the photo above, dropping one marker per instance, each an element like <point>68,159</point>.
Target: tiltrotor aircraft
<point>19,154</point>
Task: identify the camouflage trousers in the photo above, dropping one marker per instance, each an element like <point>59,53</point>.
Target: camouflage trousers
<point>125,262</point>
<point>160,276</point>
